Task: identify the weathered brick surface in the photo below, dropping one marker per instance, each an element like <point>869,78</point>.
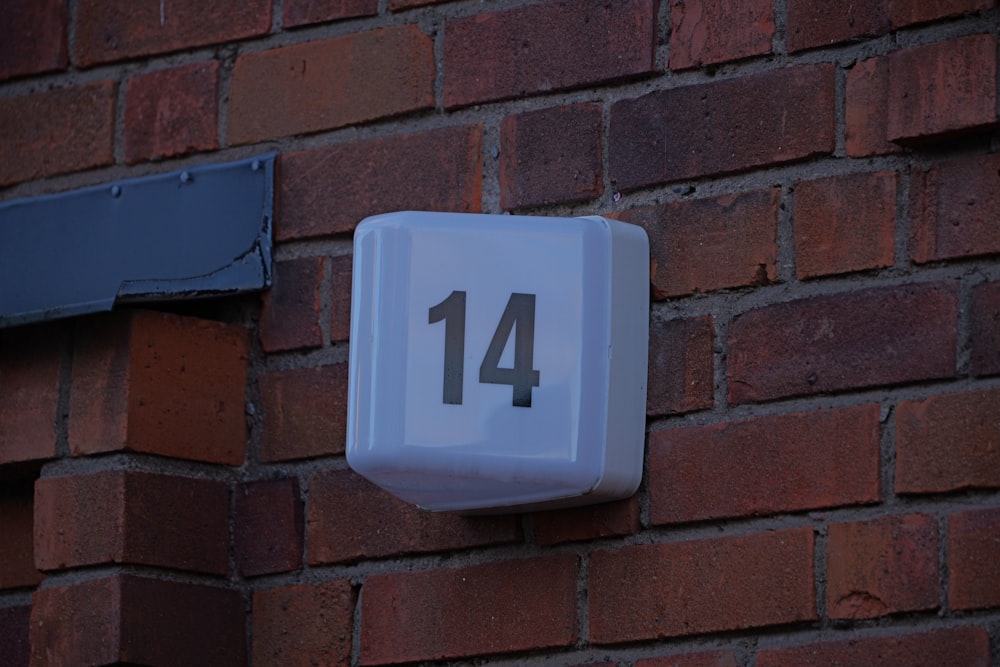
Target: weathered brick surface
<point>341,270</point>
<point>985,336</point>
<point>29,391</point>
<point>290,313</point>
<point>305,412</point>
<point>866,109</point>
<point>706,659</point>
<point>948,442</point>
<point>699,586</point>
<point>955,208</point>
<point>268,527</point>
<point>859,339</point>
<point>907,12</point>
<point>15,626</point>
<point>722,127</point>
<point>587,523</point>
<point>883,566</point>
<point>172,112</point>
<point>545,47</point>
<point>119,29</point>
<point>550,156</point>
<point>703,245</point>
<point>330,190</point>
<point>766,465</point>
<point>349,519</point>
<point>300,624</point>
<point>304,12</point>
<point>56,131</point>
<point>973,566</point>
<point>17,561</point>
<point>300,89</point>
<point>681,368</point>
<point>844,223</point>
<point>477,610</point>
<point>33,37</point>
<point>706,32</point>
<point>160,384</point>
<point>813,23</point>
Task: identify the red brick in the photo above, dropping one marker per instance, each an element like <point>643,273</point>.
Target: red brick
<point>15,627</point>
<point>29,392</point>
<point>118,29</point>
<point>813,23</point>
<point>948,442</point>
<point>172,112</point>
<point>587,523</point>
<point>703,245</point>
<point>681,367</point>
<point>767,465</point>
<point>683,588</point>
<point>985,336</point>
<point>546,47</point>
<point>268,527</point>
<point>954,207</point>
<point>867,338</point>
<point>306,88</point>
<point>160,384</point>
<point>305,412</point>
<point>340,297</point>
<point>722,127</point>
<point>350,519</point>
<point>884,566</point>
<point>866,110</point>
<point>908,12</point>
<point>289,318</point>
<point>17,560</point>
<point>973,566</point>
<point>397,5</point>
<point>942,89</point>
<point>707,659</point>
<point>483,609</point>
<point>139,518</point>
<point>56,131</point>
<point>550,156</point>
<point>434,170</point>
<point>33,37</point>
<point>304,12</point>
<point>706,32</point>
<point>844,223</point>
<point>301,624</point>
<point>966,646</point>
<point>137,620</point>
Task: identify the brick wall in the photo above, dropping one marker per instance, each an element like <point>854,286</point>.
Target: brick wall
<point>821,188</point>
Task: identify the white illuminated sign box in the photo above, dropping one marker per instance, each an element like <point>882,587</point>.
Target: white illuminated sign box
<point>498,362</point>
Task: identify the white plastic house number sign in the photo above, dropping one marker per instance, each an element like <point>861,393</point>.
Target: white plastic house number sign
<point>498,362</point>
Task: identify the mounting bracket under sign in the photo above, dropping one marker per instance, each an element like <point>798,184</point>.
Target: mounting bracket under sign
<point>197,232</point>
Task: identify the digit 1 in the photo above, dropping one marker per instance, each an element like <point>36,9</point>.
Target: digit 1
<point>452,311</point>
<point>520,311</point>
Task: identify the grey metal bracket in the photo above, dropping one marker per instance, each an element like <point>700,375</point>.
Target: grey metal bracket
<point>198,232</point>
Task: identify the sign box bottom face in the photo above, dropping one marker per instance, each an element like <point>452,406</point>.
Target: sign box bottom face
<point>498,363</point>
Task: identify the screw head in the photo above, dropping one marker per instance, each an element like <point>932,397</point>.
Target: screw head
<point>185,177</point>
<point>116,191</point>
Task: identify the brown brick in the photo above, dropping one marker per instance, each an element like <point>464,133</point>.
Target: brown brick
<point>681,367</point>
<point>706,32</point>
<point>813,23</point>
<point>844,223</point>
<point>268,527</point>
<point>434,170</point>
<point>867,338</point>
<point>17,560</point>
<point>304,12</point>
<point>290,314</point>
<point>866,110</point>
<point>340,297</point>
<point>118,516</point>
<point>942,89</point>
<point>172,112</point>
<point>722,127</point>
<point>477,610</point>
<point>56,131</point>
<point>967,646</point>
<point>908,12</point>
<point>973,566</point>
<point>305,412</point>
<point>550,156</point>
<point>160,384</point>
<point>29,391</point>
<point>884,566</point>
<point>954,207</point>
<point>683,588</point>
<point>118,29</point>
<point>15,627</point>
<point>350,519</point>
<point>707,659</point>
<point>33,37</point>
<point>948,442</point>
<point>300,624</point>
<point>306,88</point>
<point>546,47</point>
<point>591,522</point>
<point>985,336</point>
<point>137,620</point>
<point>767,465</point>
<point>703,245</point>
